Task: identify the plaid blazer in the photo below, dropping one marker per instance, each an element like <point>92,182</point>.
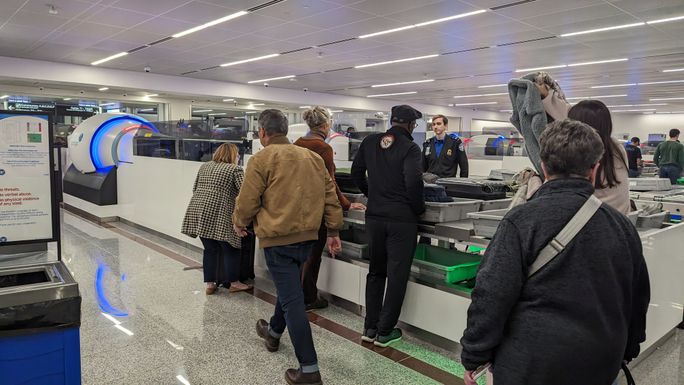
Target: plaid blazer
<point>210,212</point>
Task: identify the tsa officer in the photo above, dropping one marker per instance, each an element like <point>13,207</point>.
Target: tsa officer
<point>394,188</point>
<point>443,154</point>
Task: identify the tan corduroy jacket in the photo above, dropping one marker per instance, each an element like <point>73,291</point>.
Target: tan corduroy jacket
<point>286,192</point>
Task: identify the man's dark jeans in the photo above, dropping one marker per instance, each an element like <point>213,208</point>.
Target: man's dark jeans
<point>285,264</point>
<point>670,171</point>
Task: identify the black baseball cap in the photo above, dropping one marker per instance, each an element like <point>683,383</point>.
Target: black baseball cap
<point>405,113</point>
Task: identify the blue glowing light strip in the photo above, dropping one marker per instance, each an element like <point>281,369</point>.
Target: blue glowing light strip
<point>105,306</point>
<point>101,131</point>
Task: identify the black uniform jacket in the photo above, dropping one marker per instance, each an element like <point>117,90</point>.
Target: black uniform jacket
<point>394,185</point>
<point>447,163</point>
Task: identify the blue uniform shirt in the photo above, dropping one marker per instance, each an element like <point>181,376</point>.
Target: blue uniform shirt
<point>439,144</point>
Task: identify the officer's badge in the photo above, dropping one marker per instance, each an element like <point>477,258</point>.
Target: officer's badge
<point>387,141</point>
<point>461,147</point>
<point>449,152</point>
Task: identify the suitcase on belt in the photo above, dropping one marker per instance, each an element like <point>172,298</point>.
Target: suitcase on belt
<point>474,188</point>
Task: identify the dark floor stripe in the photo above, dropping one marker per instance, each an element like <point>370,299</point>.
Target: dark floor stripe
<point>395,355</point>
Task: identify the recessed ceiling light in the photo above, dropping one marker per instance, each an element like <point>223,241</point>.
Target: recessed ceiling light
<point>637,110</point>
<point>397,61</point>
<point>597,62</point>
<point>217,113</point>
<point>474,104</point>
<point>103,89</point>
<point>108,58</point>
<point>4,97</point>
<point>66,99</point>
<point>210,24</point>
<point>402,83</point>
<point>597,97</point>
<point>304,107</point>
<point>151,95</point>
<point>494,85</point>
<point>200,111</point>
<point>480,95</point>
<point>637,105</point>
<point>434,21</point>
<point>615,85</point>
<point>257,104</point>
<point>541,68</point>
<point>603,29</point>
<point>392,94</point>
<point>661,99</point>
<point>270,79</point>
<point>250,60</point>
<point>665,20</point>
<point>228,100</point>
<point>250,112</point>
<point>674,70</point>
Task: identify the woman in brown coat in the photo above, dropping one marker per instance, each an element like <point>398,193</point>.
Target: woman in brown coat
<point>209,217</point>
<point>318,119</point>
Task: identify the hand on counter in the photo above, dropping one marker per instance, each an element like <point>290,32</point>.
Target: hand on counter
<point>241,231</point>
<point>334,246</point>
<point>357,206</point>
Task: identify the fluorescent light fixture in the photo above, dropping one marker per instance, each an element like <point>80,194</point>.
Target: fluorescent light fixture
<point>397,61</point>
<point>4,97</point>
<point>304,107</point>
<point>217,113</point>
<point>597,96</point>
<point>108,104</point>
<point>638,110</point>
<point>597,62</point>
<point>228,100</point>
<point>111,318</point>
<point>670,112</point>
<point>66,99</point>
<point>108,58</point>
<point>674,70</point>
<point>103,89</point>
<point>250,60</point>
<point>269,79</point>
<point>392,94</point>
<point>182,380</point>
<point>462,15</point>
<point>210,24</point>
<point>662,82</point>
<point>480,95</point>
<point>257,104</point>
<point>402,83</point>
<point>505,110</point>
<point>200,111</point>
<point>151,95</point>
<point>387,31</point>
<point>333,111</point>
<point>494,85</point>
<point>665,20</point>
<point>662,99</point>
<point>250,112</point>
<point>637,105</point>
<point>434,21</point>
<point>146,110</point>
<point>616,85</point>
<point>541,68</point>
<point>603,29</point>
<point>474,104</point>
<point>123,329</point>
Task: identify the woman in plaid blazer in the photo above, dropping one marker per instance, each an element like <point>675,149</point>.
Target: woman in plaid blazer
<point>209,216</point>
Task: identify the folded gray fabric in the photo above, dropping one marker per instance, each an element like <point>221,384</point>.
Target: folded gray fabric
<point>529,117</point>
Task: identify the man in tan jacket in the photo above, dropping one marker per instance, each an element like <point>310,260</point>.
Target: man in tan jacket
<point>286,192</point>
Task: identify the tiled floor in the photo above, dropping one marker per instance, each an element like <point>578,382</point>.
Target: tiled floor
<point>173,334</point>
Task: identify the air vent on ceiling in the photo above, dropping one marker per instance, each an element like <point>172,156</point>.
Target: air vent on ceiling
<point>264,5</point>
<point>295,50</point>
<point>511,4</point>
<point>336,42</point>
<point>526,41</point>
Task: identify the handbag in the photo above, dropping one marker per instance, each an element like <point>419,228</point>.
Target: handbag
<point>628,374</point>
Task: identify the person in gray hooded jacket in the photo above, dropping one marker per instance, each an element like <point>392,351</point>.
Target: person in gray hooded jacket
<point>576,319</point>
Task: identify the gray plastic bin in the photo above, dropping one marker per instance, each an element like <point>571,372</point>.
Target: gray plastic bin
<point>438,212</point>
<point>485,223</point>
<point>653,221</point>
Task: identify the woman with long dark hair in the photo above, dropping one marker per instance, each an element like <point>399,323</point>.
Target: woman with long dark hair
<point>612,180</point>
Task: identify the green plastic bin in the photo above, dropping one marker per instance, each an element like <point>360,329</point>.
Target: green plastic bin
<point>447,264</point>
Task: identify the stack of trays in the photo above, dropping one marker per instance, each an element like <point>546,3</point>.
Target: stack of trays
<point>649,184</point>
<point>485,223</point>
<point>438,212</point>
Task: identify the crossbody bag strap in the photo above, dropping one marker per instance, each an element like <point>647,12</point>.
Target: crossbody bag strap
<point>565,236</point>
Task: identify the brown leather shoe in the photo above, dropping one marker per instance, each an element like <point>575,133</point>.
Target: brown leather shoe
<point>296,377</point>
<point>272,343</point>
<point>210,290</point>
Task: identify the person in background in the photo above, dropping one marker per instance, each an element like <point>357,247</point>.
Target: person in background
<point>634,159</point>
<point>351,132</point>
<point>577,318</point>
<point>669,157</point>
<point>443,154</point>
<point>394,188</point>
<point>611,185</point>
<point>209,217</point>
<point>287,192</point>
<point>318,119</point>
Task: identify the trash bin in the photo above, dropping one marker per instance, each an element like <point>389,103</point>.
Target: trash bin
<point>40,315</point>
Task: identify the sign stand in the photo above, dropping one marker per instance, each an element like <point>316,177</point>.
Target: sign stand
<point>29,209</point>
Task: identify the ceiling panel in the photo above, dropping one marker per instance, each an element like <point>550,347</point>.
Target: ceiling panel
<point>405,7</point>
<point>152,7</point>
<point>118,17</point>
<point>336,17</point>
<point>293,10</point>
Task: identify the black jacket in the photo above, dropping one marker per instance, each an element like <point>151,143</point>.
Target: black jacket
<point>450,158</point>
<point>394,185</point>
<point>577,318</point>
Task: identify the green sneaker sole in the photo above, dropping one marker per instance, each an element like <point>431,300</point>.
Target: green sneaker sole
<point>386,343</point>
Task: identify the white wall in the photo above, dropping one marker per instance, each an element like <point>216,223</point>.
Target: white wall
<point>641,125</point>
<point>477,125</point>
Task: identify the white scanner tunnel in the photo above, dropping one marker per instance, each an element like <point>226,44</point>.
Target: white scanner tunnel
<point>105,140</point>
